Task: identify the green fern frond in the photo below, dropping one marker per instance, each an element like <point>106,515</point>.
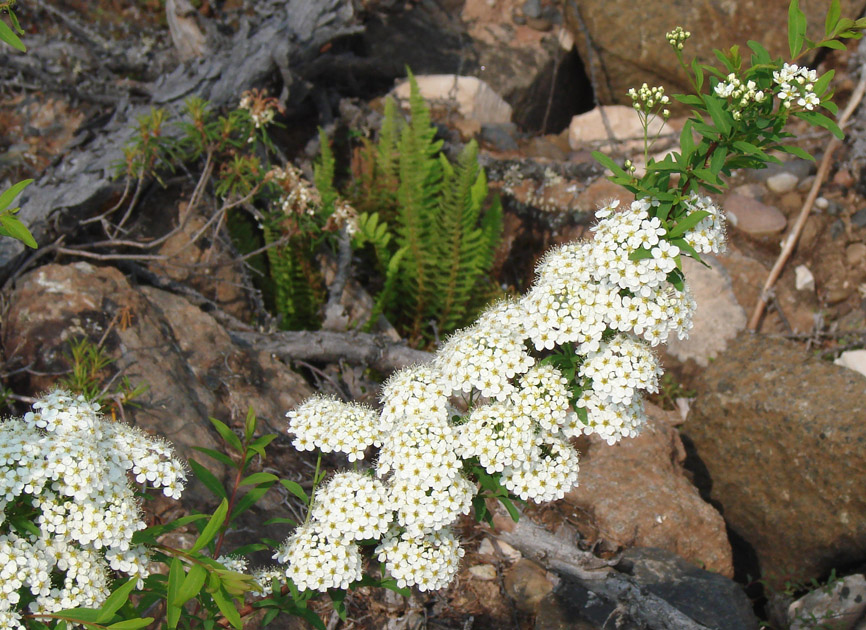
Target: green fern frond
<point>420,183</point>
<point>323,175</point>
<point>462,256</point>
<point>371,230</point>
<point>386,296</point>
<point>294,298</point>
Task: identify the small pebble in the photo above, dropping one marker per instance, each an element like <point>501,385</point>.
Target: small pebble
<point>855,254</point>
<point>782,182</point>
<point>821,203</point>
<point>803,279</point>
<point>532,9</point>
<point>485,572</point>
<point>859,218</point>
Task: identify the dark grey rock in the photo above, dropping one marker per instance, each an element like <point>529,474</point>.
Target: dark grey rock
<point>859,218</point>
<point>532,8</point>
<point>709,598</point>
<point>499,136</point>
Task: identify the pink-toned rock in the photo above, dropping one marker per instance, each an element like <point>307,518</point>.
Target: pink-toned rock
<point>188,362</point>
<point>628,38</point>
<point>636,494</point>
<point>471,96</point>
<point>601,192</point>
<point>589,129</point>
<point>753,217</point>
<point>781,436</point>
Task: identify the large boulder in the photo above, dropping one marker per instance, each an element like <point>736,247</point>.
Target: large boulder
<point>629,46</point>
<point>184,357</point>
<point>780,437</point>
<point>635,494</point>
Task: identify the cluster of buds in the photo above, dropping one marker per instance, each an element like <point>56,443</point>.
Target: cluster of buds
<point>741,95</point>
<point>677,37</point>
<point>646,98</point>
<point>796,85</point>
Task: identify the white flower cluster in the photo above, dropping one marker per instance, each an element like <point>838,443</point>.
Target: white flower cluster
<point>72,467</point>
<point>796,85</point>
<point>486,401</point>
<point>741,95</point>
<point>333,426</point>
<point>709,235</point>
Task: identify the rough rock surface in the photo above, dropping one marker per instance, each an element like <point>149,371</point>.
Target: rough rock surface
<point>157,339</point>
<point>635,494</point>
<point>836,606</point>
<point>629,37</point>
<point>781,437</point>
<point>705,597</point>
<point>718,317</point>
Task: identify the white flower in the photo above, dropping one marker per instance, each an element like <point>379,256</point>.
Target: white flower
<point>353,506</point>
<point>315,562</point>
<point>429,562</point>
<point>334,426</point>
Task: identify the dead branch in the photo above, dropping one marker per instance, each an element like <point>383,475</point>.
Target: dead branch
<point>323,346</point>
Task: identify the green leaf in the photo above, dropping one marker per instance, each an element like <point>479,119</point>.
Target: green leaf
<point>155,531</point>
<point>131,624</point>
<point>227,434</point>
<point>687,141</point>
<point>795,150</point>
<point>191,585</point>
<point>699,74</point>
<point>296,489</point>
<point>721,118</point>
<point>815,118</point>
<point>220,457</point>
<point>216,521</point>
<point>227,608</point>
<point>509,505</point>
<point>12,226</point>
<point>9,196</point>
<point>835,44</point>
<point>762,56</point>
<point>175,578</point>
<point>832,19</point>
<point>257,478</point>
<point>249,499</point>
<point>688,249</point>
<point>717,162</point>
<point>687,223</point>
<point>338,599</point>
<point>250,424</point>
<point>8,36</point>
<point>689,99</point>
<point>640,254</point>
<point>796,28</point>
<point>823,82</point>
<point>608,163</point>
<point>116,600</point>
<point>208,479</point>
